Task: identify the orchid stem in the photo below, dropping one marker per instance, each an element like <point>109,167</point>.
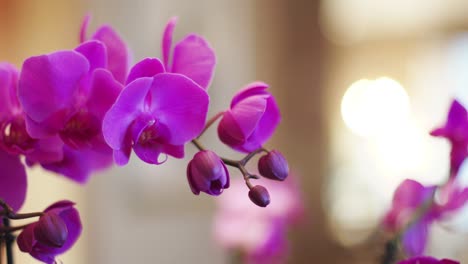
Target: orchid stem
<point>12,228</point>
<point>9,238</point>
<point>239,164</point>
<point>24,216</point>
<point>210,122</point>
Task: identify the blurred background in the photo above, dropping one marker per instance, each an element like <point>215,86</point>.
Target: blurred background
<point>360,83</point>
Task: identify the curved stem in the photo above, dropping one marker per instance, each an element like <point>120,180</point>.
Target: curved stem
<point>12,228</point>
<point>252,154</point>
<point>9,239</point>
<point>210,122</point>
<point>24,216</point>
<point>239,164</point>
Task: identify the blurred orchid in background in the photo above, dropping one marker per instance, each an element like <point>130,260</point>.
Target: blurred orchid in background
<point>428,260</point>
<point>259,235</point>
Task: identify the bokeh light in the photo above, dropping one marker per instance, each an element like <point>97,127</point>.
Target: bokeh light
<point>371,106</point>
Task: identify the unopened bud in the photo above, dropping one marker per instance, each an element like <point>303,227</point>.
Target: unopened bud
<point>207,173</point>
<point>273,166</point>
<point>259,195</point>
<point>51,230</point>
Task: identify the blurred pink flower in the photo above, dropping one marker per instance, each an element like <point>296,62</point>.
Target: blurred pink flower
<point>260,234</point>
<point>406,214</point>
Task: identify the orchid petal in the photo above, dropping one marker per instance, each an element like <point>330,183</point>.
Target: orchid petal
<point>84,28</point>
<point>266,126</point>
<point>49,83</point>
<point>95,52</point>
<point>104,91</point>
<point>8,86</point>
<point>415,239</point>
<point>180,104</point>
<point>117,52</point>
<point>14,181</point>
<point>128,106</point>
<point>145,68</point>
<point>167,41</point>
<point>194,58</point>
<point>255,88</point>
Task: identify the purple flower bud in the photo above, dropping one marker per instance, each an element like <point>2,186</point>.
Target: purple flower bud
<point>51,230</point>
<point>259,195</point>
<point>251,119</point>
<point>273,166</point>
<point>207,173</point>
<point>54,233</point>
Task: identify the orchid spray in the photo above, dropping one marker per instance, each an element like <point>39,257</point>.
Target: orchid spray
<point>416,207</point>
<point>74,112</point>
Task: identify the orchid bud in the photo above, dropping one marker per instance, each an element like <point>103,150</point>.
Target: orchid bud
<point>207,173</point>
<point>51,230</point>
<point>273,166</point>
<point>259,195</point>
<point>251,120</point>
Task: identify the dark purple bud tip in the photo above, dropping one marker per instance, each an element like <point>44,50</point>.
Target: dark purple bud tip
<point>273,166</point>
<point>51,230</point>
<point>259,195</point>
<point>206,172</point>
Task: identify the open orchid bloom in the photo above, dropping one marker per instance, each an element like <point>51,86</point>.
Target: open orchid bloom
<point>65,95</point>
<point>14,138</point>
<point>456,131</point>
<point>155,115</point>
<point>251,119</point>
<point>192,56</point>
<point>67,228</point>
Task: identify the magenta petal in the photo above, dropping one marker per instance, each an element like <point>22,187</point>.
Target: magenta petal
<point>248,113</point>
<point>128,106</point>
<point>13,180</point>
<point>457,115</point>
<point>49,83</point>
<point>149,153</point>
<point>415,239</point>
<point>229,131</point>
<point>412,194</point>
<point>8,86</point>
<point>78,165</point>
<point>26,239</point>
<point>104,91</point>
<point>422,260</point>
<point>180,104</point>
<point>49,127</point>
<point>117,52</point>
<point>266,126</point>
<point>255,88</point>
<point>145,68</point>
<point>439,132</point>
<point>176,151</point>
<point>95,52</point>
<point>167,41</point>
<point>122,156</point>
<point>47,150</point>
<point>84,28</point>
<point>194,58</point>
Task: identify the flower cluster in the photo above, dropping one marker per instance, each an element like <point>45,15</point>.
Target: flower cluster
<point>74,112</point>
<point>416,207</point>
